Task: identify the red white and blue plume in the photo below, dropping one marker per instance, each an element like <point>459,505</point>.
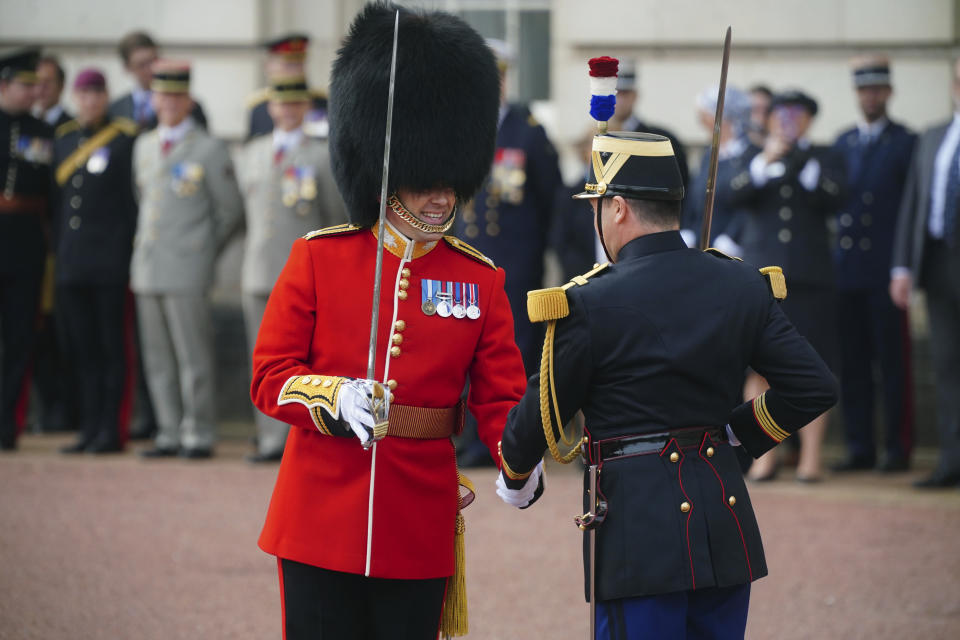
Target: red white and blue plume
<point>603,89</point>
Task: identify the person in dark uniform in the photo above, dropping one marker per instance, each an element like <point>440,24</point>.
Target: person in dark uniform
<point>652,349</point>
<point>872,330</point>
<point>95,217</point>
<point>509,220</point>
<point>139,52</point>
<point>625,119</point>
<point>735,151</point>
<point>790,190</point>
<point>56,406</point>
<point>760,97</point>
<point>26,153</point>
<point>286,58</point>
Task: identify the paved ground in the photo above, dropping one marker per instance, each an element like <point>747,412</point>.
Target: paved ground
<point>116,548</point>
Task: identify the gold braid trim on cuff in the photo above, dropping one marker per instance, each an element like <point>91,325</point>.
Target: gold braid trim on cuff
<point>507,471</point>
<point>766,421</point>
<point>547,392</point>
<point>316,392</point>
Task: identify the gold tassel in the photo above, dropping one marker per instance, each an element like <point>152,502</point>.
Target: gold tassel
<point>453,622</point>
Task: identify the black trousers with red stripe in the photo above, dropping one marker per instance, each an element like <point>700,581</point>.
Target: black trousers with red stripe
<point>319,604</point>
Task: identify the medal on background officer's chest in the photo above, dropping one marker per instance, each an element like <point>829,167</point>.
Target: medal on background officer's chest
<point>186,178</point>
<point>509,175</point>
<point>449,299</point>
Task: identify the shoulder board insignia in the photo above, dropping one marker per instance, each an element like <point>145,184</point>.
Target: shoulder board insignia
<point>338,230</point>
<point>65,128</point>
<point>317,93</point>
<point>126,126</point>
<point>468,251</point>
<point>776,280</point>
<point>532,121</point>
<point>720,254</point>
<point>258,96</point>
<point>551,303</point>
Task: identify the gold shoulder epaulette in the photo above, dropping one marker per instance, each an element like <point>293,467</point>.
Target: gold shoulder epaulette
<point>532,121</point>
<point>337,230</point>
<point>469,251</point>
<point>65,128</point>
<point>551,303</point>
<point>777,281</point>
<point>258,96</point>
<point>126,126</point>
<point>721,254</point>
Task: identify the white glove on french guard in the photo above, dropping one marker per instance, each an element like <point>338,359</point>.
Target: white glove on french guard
<point>520,497</point>
<point>355,407</point>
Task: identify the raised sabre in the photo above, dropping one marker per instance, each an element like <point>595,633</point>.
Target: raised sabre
<point>715,148</point>
<point>379,401</point>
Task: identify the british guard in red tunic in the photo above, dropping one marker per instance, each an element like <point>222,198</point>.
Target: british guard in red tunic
<point>363,525</point>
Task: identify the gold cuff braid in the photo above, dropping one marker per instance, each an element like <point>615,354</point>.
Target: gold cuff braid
<point>507,471</point>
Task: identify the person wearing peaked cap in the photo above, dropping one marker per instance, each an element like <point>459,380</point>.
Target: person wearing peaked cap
<point>367,527</point>
<point>286,57</point>
<point>289,190</point>
<point>651,347</point>
<point>873,331</point>
<point>190,208</point>
<point>509,220</point>
<point>790,190</point>
<point>95,216</point>
<point>625,118</point>
<point>138,52</point>
<point>926,255</point>
<point>26,153</point>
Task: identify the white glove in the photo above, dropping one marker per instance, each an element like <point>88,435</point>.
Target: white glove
<point>524,496</point>
<point>356,408</point>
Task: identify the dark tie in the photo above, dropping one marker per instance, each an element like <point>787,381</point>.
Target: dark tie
<point>950,201</point>
<point>278,156</point>
<point>165,147</point>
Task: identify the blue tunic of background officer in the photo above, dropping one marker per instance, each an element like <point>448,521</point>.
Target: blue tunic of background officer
<point>872,330</point>
<point>509,220</point>
<point>652,350</point>
<point>790,191</point>
<point>735,151</point>
<point>510,217</point>
<point>286,58</point>
<point>94,221</point>
<point>26,153</point>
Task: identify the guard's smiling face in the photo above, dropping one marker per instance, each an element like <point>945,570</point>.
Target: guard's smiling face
<point>432,206</point>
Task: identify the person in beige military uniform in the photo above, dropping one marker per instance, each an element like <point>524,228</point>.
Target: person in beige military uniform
<point>289,191</point>
<point>190,206</point>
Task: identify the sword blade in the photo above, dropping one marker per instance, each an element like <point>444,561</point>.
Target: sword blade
<point>715,148</point>
<point>378,277</point>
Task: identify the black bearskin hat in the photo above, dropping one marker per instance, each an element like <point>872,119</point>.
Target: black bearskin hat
<point>446,103</point>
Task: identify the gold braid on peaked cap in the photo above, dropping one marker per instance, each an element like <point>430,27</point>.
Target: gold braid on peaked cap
<point>446,104</point>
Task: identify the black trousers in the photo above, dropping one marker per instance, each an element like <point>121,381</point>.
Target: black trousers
<point>92,319</point>
<point>319,604</point>
<point>874,332</point>
<point>19,299</point>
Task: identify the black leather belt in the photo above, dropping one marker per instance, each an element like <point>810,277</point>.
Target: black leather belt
<point>655,442</point>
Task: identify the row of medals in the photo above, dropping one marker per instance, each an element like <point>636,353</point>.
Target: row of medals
<point>444,309</point>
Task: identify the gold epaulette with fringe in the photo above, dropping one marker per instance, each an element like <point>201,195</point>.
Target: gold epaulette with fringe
<point>469,251</point>
<point>551,304</point>
<point>777,281</point>
<point>337,230</point>
<point>65,128</point>
<point>258,96</point>
<point>721,254</point>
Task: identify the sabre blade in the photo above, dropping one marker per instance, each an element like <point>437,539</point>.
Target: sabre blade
<point>715,148</point>
<point>378,277</point>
